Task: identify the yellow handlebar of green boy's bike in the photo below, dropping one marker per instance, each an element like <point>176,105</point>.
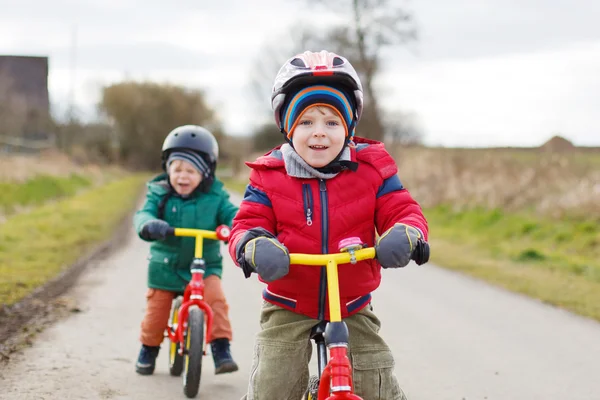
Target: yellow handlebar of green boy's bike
<point>222,233</point>
<point>195,233</point>
<point>331,261</point>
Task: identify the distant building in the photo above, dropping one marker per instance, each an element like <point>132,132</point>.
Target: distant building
<point>24,102</point>
<point>24,97</point>
<point>28,77</point>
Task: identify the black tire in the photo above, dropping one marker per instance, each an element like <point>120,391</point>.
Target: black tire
<point>195,351</point>
<point>312,393</point>
<point>175,359</point>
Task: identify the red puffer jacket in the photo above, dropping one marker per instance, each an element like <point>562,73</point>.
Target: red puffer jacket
<point>313,215</point>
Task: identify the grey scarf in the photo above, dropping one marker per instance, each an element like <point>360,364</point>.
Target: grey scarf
<point>296,166</point>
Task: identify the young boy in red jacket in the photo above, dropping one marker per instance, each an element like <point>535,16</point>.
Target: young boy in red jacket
<point>322,186</point>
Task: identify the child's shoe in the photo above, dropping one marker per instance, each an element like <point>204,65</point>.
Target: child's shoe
<point>222,356</point>
<point>147,360</point>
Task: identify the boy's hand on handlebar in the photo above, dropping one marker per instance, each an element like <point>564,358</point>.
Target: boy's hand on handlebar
<point>155,229</point>
<point>267,257</point>
<point>395,247</point>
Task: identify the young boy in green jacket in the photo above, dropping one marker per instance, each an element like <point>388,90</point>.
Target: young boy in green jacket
<point>187,195</point>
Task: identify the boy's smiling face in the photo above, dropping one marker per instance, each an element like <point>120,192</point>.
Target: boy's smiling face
<point>184,178</point>
<point>319,136</point>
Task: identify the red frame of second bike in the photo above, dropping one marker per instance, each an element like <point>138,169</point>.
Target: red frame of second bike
<point>193,295</point>
<point>194,290</point>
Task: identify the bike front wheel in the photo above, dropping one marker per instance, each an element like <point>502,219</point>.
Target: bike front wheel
<point>175,359</point>
<point>194,347</point>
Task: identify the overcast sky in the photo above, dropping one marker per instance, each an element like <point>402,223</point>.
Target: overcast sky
<point>484,72</point>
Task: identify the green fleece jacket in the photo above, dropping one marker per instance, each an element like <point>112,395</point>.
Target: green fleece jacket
<point>170,259</point>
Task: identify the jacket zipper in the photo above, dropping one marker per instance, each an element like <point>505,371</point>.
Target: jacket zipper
<point>307,203</point>
<point>324,247</point>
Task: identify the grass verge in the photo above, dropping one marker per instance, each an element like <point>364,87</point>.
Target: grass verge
<point>37,246</point>
<point>38,190</point>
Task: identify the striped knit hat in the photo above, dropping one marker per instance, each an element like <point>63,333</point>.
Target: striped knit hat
<point>334,98</point>
<point>193,158</point>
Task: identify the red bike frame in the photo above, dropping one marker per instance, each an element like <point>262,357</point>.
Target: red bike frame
<point>193,295</point>
<point>337,376</point>
<point>194,291</point>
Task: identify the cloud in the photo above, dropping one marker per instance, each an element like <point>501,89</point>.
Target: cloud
<point>502,100</point>
<point>138,57</point>
<point>474,29</point>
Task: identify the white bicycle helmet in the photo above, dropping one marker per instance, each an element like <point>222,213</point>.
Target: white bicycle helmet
<point>311,68</point>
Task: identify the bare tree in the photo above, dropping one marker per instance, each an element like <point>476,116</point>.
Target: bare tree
<point>264,69</point>
<point>369,26</point>
<point>365,28</point>
<point>270,58</point>
<point>402,129</point>
<point>263,72</point>
<point>360,35</point>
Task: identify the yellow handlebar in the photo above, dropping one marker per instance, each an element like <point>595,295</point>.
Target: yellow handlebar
<point>199,234</point>
<point>331,262</point>
<point>339,258</point>
<point>196,233</point>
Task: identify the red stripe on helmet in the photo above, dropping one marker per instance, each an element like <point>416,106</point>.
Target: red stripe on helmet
<point>322,73</point>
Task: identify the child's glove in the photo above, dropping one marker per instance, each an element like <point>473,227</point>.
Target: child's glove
<point>268,257</point>
<point>155,229</point>
<point>258,250</point>
<point>395,247</point>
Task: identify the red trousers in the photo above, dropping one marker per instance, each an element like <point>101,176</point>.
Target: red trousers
<point>158,308</point>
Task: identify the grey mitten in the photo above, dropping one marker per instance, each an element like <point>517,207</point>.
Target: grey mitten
<point>395,247</point>
<point>268,257</point>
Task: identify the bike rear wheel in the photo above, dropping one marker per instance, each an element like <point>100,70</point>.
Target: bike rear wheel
<point>175,359</point>
<point>194,352</point>
<point>312,392</point>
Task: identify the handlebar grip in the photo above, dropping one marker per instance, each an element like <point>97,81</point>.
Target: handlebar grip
<point>223,232</point>
<point>171,231</point>
<point>420,254</point>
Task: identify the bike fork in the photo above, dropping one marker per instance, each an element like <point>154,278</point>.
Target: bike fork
<point>337,375</point>
<point>321,354</point>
